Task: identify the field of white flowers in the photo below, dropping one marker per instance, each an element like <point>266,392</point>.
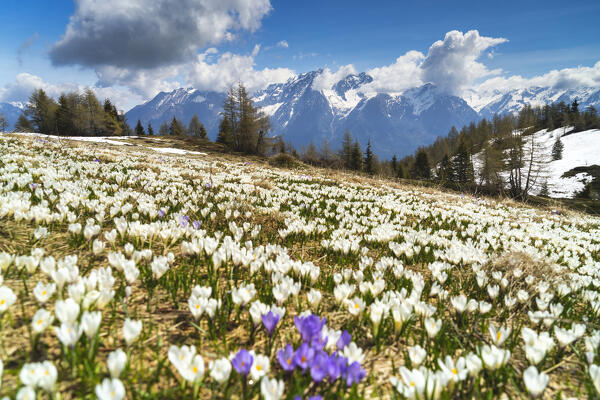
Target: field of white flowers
<point>127,273</point>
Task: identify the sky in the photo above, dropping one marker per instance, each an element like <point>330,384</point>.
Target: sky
<point>130,50</point>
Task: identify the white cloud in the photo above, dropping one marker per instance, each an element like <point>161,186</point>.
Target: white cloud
<point>283,44</point>
<point>230,69</point>
<point>146,83</point>
<point>326,79</point>
<point>404,74</point>
<point>25,84</point>
<point>451,64</point>
<point>148,34</point>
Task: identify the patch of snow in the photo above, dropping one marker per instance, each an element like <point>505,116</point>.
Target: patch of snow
<point>272,109</point>
<point>95,139</point>
<point>199,99</point>
<point>172,150</point>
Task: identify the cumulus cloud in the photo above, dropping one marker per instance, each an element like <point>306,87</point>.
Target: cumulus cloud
<point>146,83</point>
<point>326,79</point>
<point>451,64</point>
<point>404,74</point>
<point>230,69</point>
<point>568,78</point>
<point>283,44</point>
<point>148,34</point>
<point>25,83</point>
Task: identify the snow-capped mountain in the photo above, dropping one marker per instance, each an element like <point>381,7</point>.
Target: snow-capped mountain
<point>11,112</point>
<point>304,109</point>
<point>301,113</point>
<point>182,104</point>
<point>503,102</point>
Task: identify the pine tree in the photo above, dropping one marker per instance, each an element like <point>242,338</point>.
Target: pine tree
<point>346,151</point>
<point>41,112</point>
<point>400,171</point>
<point>175,129</point>
<point>196,128</point>
<point>225,135</point>
<point>369,160</point>
<point>557,149</point>
<point>421,168</point>
<point>164,129</point>
<point>3,123</point>
<point>356,157</point>
<point>23,124</point>
<point>462,167</point>
<point>394,165</point>
<point>65,115</point>
<point>444,172</point>
<point>150,130</point>
<point>139,129</point>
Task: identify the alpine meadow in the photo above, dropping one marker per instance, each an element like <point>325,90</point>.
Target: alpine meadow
<point>262,199</point>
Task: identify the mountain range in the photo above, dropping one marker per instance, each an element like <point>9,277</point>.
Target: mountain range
<point>303,110</point>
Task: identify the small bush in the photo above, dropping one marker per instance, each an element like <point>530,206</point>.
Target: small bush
<point>283,160</point>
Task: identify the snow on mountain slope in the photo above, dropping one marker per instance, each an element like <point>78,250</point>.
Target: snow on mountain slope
<point>580,149</point>
<point>11,112</point>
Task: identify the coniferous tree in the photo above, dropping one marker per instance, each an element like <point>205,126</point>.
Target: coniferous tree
<point>346,151</point>
<point>175,128</point>
<point>150,130</point>
<point>66,120</point>
<point>394,165</point>
<point>356,157</point>
<point>196,128</point>
<point>421,168</point>
<point>400,171</point>
<point>23,124</point>
<point>444,173</point>
<point>557,149</point>
<point>41,112</point>
<point>369,159</point>
<point>3,123</point>
<point>225,135</point>
<point>139,129</point>
<point>164,129</point>
<point>462,167</point>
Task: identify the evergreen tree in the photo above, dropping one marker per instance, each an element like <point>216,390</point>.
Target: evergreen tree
<point>400,171</point>
<point>150,130</point>
<point>346,151</point>
<point>175,129</point>
<point>225,135</point>
<point>92,111</point>
<point>164,129</point>
<point>139,129</point>
<point>557,149</point>
<point>421,168</point>
<point>394,165</point>
<point>196,128</point>
<point>23,124</point>
<point>462,167</point>
<point>311,155</point>
<point>356,157</point>
<point>66,120</point>
<point>3,123</point>
<point>112,123</point>
<point>444,173</point>
<point>369,160</point>
<point>41,112</point>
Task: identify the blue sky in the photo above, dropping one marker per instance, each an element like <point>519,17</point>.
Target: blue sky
<point>555,35</point>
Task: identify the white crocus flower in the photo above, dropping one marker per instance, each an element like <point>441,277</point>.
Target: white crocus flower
<point>220,370</point>
<point>110,389</point>
<point>116,363</point>
<point>131,330</point>
<point>535,382</point>
<point>271,389</point>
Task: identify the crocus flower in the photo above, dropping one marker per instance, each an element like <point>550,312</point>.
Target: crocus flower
<point>309,327</point>
<point>110,389</point>
<point>344,340</point>
<point>242,362</point>
<point>354,374</point>
<point>304,356</point>
<point>270,321</point>
<point>319,366</point>
<point>336,367</point>
<point>535,381</point>
<point>286,358</point>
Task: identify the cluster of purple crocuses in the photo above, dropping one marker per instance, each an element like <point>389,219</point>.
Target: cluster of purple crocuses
<point>310,355</point>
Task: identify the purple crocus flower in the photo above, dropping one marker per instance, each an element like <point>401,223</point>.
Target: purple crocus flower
<point>317,397</point>
<point>161,213</point>
<point>96,160</point>
<point>184,220</point>
<point>270,321</point>
<point>344,340</point>
<point>337,366</point>
<point>354,374</point>
<point>196,224</point>
<point>304,356</point>
<point>319,366</point>
<point>286,358</point>
<point>242,362</point>
<point>310,327</point>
